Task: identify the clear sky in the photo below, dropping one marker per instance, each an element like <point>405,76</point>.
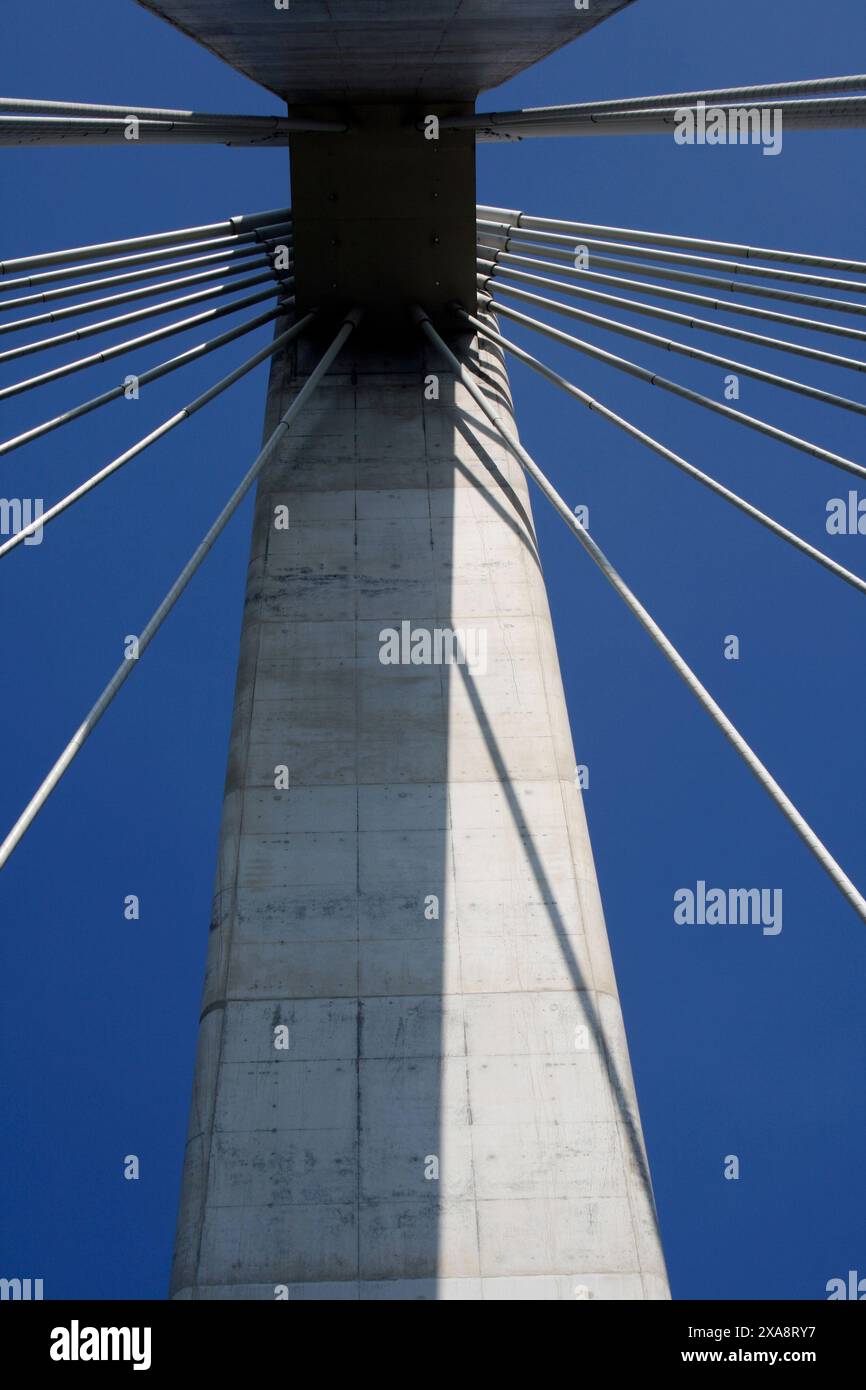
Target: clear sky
<point>741,1043</point>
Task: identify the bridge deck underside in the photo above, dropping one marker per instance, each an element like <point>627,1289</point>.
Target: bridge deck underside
<point>350,50</point>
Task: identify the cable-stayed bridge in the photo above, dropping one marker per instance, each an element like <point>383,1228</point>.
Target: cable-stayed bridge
<point>413,1079</point>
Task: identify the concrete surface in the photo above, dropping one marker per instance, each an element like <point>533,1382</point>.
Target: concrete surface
<point>382,50</point>
<point>488,1038</point>
<point>383,216</point>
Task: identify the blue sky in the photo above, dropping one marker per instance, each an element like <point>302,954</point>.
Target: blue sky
<point>741,1044</point>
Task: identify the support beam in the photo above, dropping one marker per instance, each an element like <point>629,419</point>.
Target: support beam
<point>417,903</point>
<point>834,113</point>
<point>381,212</point>
<point>91,110</point>
<point>763,92</point>
<point>132,131</point>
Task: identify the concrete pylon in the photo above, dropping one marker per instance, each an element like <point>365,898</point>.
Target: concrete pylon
<point>412,1079</point>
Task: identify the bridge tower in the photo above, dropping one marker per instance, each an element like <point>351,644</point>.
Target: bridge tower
<point>412,1079</point>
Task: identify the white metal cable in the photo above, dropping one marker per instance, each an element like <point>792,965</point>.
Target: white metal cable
<point>155,335</point>
<point>232,226</point>
<point>110,130</point>
<point>234,243</point>
<point>683,670</point>
<point>171,364</point>
<point>85,729</point>
<point>563,261</point>
<point>643,335</point>
<point>766,90</point>
<point>166,306</point>
<point>657,447</point>
<point>107,301</point>
<point>509,232</point>
<point>719,248</point>
<point>822,113</point>
<point>637,306</point>
<point>728,306</point>
<point>164,428</point>
<point>753,422</point>
<point>245,253</point>
<point>86,108</point>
